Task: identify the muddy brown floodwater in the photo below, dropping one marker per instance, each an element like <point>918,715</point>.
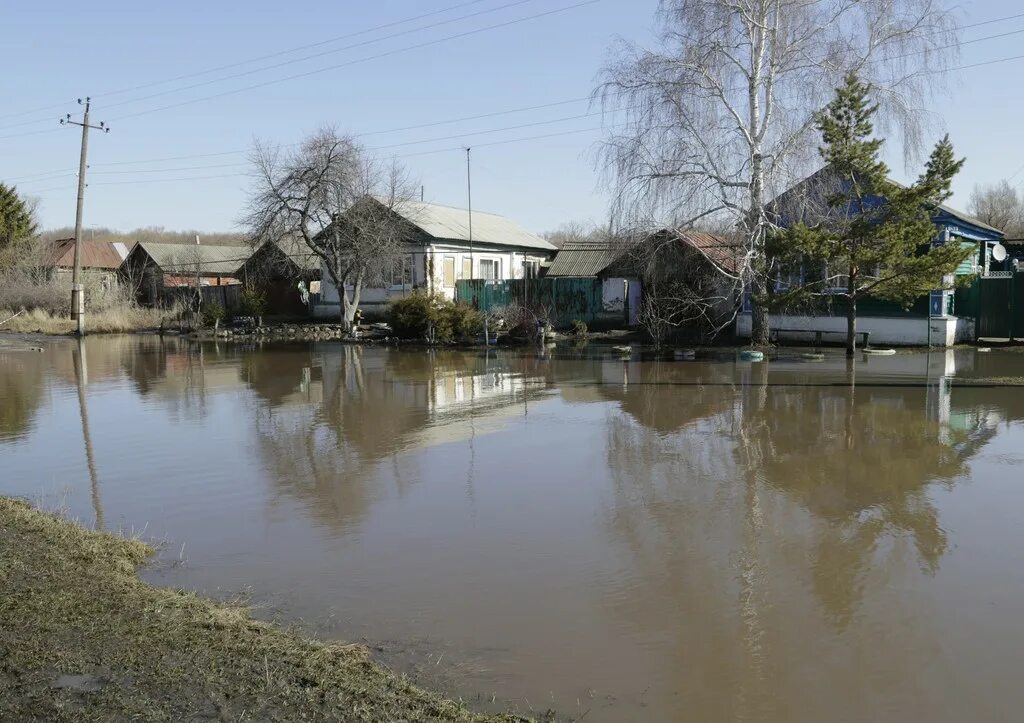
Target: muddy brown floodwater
<point>625,540</point>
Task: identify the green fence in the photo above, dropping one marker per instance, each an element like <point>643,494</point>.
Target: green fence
<point>1001,306</point>
<point>564,299</point>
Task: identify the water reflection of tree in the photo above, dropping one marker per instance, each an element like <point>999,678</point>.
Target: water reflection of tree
<point>275,375</point>
<point>21,393</point>
<point>343,450</point>
<point>697,391</point>
<point>707,515</point>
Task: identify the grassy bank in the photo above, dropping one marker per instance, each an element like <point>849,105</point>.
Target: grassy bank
<point>82,638</point>
<point>114,320</point>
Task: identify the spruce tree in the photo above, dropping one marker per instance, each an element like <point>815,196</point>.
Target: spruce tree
<point>873,237</point>
<point>17,224</point>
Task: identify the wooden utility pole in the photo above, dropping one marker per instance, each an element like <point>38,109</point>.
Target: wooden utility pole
<point>77,292</point>
<point>469,200</point>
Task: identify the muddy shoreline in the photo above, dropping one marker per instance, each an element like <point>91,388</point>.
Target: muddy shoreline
<point>82,637</point>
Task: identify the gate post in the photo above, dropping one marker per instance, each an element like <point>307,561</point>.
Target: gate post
<point>1013,300</point>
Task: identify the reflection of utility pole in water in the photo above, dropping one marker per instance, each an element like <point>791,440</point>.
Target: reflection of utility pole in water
<point>81,380</point>
<point>938,391</point>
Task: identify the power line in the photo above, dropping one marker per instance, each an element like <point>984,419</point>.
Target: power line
<point>256,59</point>
<point>389,53</point>
<point>50,175</point>
<point>406,155</point>
<point>369,30</point>
<point>304,58</point>
<point>297,48</point>
<point>431,124</point>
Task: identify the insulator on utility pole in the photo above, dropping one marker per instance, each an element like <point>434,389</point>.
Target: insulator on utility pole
<point>77,291</point>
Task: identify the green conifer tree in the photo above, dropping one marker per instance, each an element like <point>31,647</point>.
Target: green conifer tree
<point>871,236</point>
<point>17,224</point>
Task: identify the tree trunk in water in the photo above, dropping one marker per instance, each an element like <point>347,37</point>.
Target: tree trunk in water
<point>851,328</point>
<point>349,307</point>
<point>759,329</point>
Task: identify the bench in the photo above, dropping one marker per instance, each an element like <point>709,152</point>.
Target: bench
<point>774,335</point>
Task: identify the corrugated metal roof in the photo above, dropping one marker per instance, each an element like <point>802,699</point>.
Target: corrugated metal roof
<point>299,253</point>
<point>223,260</point>
<point>822,182</point>
<point>718,250</point>
<point>95,254</point>
<point>583,258</point>
<point>446,222</point>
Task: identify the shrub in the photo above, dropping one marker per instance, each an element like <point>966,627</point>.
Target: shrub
<point>579,329</point>
<point>521,321</point>
<point>411,317</point>
<point>212,314</point>
<point>254,302</point>
<point>428,316</point>
<point>463,321</point>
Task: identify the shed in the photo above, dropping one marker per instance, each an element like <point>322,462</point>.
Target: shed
<point>277,269</point>
<point>153,268</point>
<point>585,258</point>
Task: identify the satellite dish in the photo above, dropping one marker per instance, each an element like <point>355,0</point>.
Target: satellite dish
<point>999,252</point>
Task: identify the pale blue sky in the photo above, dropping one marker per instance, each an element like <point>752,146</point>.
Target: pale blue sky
<point>59,50</point>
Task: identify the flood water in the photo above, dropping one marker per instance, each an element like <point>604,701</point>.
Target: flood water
<point>620,540</point>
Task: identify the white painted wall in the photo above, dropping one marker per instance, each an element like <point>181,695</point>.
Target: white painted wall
<point>893,331</point>
<point>431,257</point>
<point>613,295</point>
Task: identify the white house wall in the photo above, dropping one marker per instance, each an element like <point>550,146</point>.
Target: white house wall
<point>893,331</point>
<point>613,295</point>
<point>428,270</point>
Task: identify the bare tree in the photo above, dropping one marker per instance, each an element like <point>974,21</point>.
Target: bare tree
<point>719,118</point>
<point>345,206</point>
<point>999,205</point>
<point>571,232</point>
<point>686,288</point>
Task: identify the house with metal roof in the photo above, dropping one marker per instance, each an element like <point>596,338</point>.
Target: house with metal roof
<point>445,245</point>
<point>100,261</point>
<point>103,256</point>
<point>154,268</point>
<point>933,320</point>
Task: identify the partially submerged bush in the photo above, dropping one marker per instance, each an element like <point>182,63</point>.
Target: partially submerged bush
<point>433,317</point>
<point>521,321</point>
<point>212,314</point>
<point>579,329</point>
<point>463,321</point>
<point>254,302</point>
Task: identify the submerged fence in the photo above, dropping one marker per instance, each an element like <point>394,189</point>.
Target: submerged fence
<point>564,299</point>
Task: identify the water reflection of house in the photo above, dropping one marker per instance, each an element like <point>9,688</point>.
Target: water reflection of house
<point>418,399</point>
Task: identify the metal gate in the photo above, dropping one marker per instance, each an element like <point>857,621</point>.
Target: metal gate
<point>1001,306</point>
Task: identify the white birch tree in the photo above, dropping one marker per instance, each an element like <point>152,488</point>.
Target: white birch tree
<point>719,117</point>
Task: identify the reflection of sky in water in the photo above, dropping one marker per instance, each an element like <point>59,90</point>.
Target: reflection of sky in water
<point>659,540</point>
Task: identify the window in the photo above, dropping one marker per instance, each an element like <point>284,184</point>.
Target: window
<point>448,280</point>
<point>531,269</point>
<point>467,267</point>
<point>490,269</point>
<point>401,272</point>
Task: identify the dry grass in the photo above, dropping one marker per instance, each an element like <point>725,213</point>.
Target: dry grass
<point>82,638</point>
<point>111,320</point>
